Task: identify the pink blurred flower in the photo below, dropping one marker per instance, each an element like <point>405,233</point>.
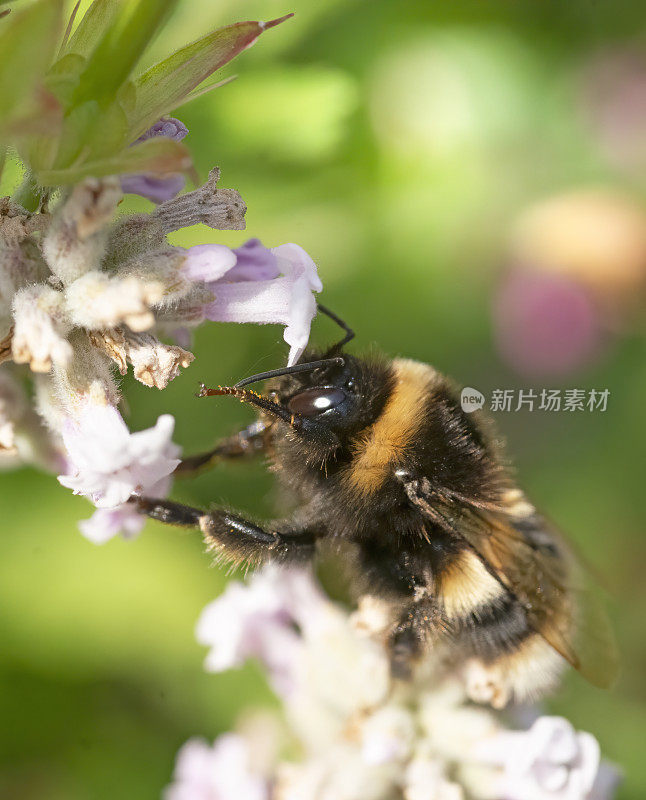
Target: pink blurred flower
<point>545,324</point>
<point>216,772</point>
<point>258,620</point>
<point>108,464</point>
<point>550,761</point>
<point>261,285</point>
<point>150,186</point>
<point>614,101</point>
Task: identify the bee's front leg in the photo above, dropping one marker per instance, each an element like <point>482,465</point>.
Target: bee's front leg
<point>232,537</point>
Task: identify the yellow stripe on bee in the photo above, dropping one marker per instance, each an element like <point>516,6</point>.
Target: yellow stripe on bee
<point>466,585</point>
<point>383,445</point>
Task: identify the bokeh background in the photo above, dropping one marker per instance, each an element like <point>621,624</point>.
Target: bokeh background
<point>400,143</point>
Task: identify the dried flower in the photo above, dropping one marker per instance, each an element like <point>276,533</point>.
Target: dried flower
<point>13,404</point>
<point>40,325</point>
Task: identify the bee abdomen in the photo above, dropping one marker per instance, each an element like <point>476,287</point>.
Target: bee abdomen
<point>493,629</point>
<point>479,613</point>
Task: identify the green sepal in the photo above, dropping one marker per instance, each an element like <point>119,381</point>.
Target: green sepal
<point>27,42</point>
<point>157,156</point>
<point>169,83</point>
<point>114,58</point>
<point>63,78</point>
<point>91,29</point>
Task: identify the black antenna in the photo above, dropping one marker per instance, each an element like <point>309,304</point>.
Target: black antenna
<point>349,333</point>
<point>310,365</point>
<point>276,373</point>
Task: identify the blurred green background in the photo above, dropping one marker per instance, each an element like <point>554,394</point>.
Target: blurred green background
<point>397,142</point>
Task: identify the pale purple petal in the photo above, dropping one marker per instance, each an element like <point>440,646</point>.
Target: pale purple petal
<point>550,761</point>
<point>208,262</point>
<point>255,263</point>
<point>295,262</point>
<point>257,620</point>
<point>287,300</point>
<point>106,523</point>
<point>109,464</point>
<point>302,310</point>
<point>170,127</point>
<point>158,190</point>
<point>152,187</point>
<point>545,324</point>
<point>261,302</point>
<point>182,336</point>
<point>218,772</point>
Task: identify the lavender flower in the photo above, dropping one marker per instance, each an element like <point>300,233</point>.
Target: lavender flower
<point>361,738</point>
<point>108,465</point>
<point>218,772</point>
<point>152,187</point>
<point>83,293</point>
<point>550,761</point>
<point>259,621</point>
<point>276,285</point>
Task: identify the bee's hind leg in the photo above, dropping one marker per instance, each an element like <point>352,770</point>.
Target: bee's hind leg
<point>249,442</point>
<point>232,537</point>
<point>409,639</point>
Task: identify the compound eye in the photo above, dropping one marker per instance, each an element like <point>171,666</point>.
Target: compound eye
<point>315,401</point>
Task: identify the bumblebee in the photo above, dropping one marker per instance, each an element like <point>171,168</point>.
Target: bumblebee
<point>391,472</point>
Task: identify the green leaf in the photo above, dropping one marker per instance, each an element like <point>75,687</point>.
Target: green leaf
<point>63,78</point>
<point>157,156</point>
<point>73,139</point>
<point>167,84</point>
<point>91,29</point>
<point>27,42</point>
<point>202,90</point>
<point>113,59</point>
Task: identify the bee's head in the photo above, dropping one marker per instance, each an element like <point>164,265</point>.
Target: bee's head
<point>341,396</point>
<point>324,400</point>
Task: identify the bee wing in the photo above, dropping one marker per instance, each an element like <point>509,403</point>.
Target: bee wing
<point>536,565</point>
<point>560,601</point>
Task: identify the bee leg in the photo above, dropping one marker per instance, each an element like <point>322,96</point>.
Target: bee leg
<point>232,537</point>
<point>404,646</point>
<point>246,443</point>
<point>408,640</point>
